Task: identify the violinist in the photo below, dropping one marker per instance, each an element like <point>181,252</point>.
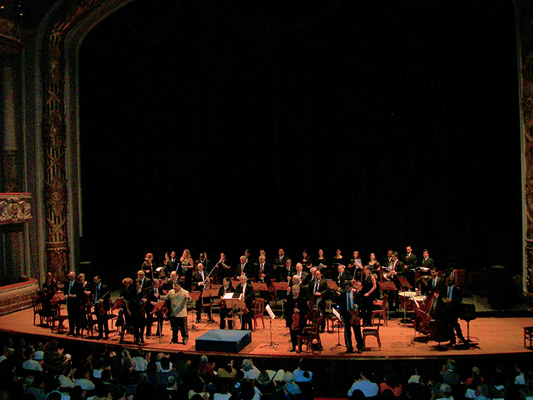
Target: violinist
<point>245,291</point>
<point>349,302</point>
<point>101,295</point>
<point>200,281</point>
<point>224,310</point>
<point>295,313</point>
<point>148,265</point>
<point>152,298</point>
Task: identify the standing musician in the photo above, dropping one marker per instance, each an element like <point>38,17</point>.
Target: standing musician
<point>73,293</point>
<point>138,313</point>
<point>200,281</point>
<point>448,308</point>
<point>187,265</point>
<point>295,313</point>
<point>144,281</point>
<point>244,268</point>
<point>410,262</point>
<point>172,263</point>
<point>245,291</point>
<point>224,310</point>
<point>342,276</point>
<point>368,292</point>
<point>148,265</point>
<point>152,298</point>
<point>356,266</point>
<point>101,295</point>
<point>178,311</point>
<point>349,302</point>
<point>264,271</point>
<point>224,267</point>
<point>128,293</point>
<point>319,290</point>
<point>287,271</point>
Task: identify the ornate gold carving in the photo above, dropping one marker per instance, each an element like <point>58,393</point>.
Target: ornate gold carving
<point>15,208</point>
<point>55,185</point>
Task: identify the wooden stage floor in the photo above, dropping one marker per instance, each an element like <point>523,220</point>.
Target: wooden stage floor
<point>492,336</point>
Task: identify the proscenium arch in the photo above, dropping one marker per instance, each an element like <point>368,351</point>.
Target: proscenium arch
<point>69,24</point>
<point>72,21</point>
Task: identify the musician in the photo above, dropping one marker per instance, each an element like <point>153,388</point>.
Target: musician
<point>306,261</point>
<point>287,271</point>
<point>279,263</point>
<point>86,292</point>
<point>428,284</point>
<point>202,258</point>
<point>387,261</point>
<point>187,266</point>
<point>178,311</point>
<point>144,281</point>
<point>264,271</point>
<point>148,265</point>
<point>295,313</point>
<point>342,276</point>
<point>374,264</point>
<point>101,295</point>
<point>427,263</point>
<point>246,293</point>
<point>128,293</point>
<point>152,299</point>
<point>225,268</point>
<point>173,263</point>
<point>73,293</point>
<point>138,312</point>
<point>448,308</point>
<point>410,262</point>
<point>320,290</point>
<point>355,267</point>
<point>49,289</point>
<point>224,310</point>
<point>244,268</point>
<point>200,281</point>
<point>368,293</point>
<point>349,303</point>
<point>396,268</point>
<point>305,277</point>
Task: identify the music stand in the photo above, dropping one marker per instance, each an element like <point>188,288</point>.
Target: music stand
<point>272,317</point>
<point>404,282</point>
<point>195,296</point>
<point>339,324</point>
<point>332,285</point>
<point>278,286</point>
<point>209,293</point>
<point>158,307</point>
<point>260,287</point>
<point>235,303</point>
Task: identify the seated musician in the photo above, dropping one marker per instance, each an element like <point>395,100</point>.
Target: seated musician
<point>349,302</point>
<point>295,313</point>
<point>101,295</point>
<point>200,281</point>
<point>224,310</point>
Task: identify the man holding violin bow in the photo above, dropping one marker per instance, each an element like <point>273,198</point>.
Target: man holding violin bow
<point>201,281</point>
<point>100,294</point>
<point>349,303</point>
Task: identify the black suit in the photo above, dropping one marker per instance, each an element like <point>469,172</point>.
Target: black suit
<point>224,311</point>
<point>202,301</point>
<point>101,295</point>
<point>248,297</point>
<point>448,312</point>
<point>267,270</point>
<point>344,306</point>
<point>74,294</point>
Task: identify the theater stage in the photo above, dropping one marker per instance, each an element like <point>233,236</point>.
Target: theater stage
<point>492,336</point>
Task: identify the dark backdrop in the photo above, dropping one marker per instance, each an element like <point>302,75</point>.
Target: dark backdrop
<point>219,126</point>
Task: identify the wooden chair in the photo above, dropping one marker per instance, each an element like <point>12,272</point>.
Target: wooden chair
<point>382,312</point>
<point>372,331</point>
<point>57,317</point>
<point>259,309</point>
<point>37,303</point>
<point>88,322</point>
<point>310,336</point>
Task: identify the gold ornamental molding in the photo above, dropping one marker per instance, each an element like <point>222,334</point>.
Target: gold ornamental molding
<point>15,208</point>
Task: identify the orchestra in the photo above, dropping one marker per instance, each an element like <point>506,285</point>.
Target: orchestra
<point>165,291</point>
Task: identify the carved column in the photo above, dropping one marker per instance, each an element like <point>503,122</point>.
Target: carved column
<point>9,148</point>
<point>524,13</point>
<point>54,134</point>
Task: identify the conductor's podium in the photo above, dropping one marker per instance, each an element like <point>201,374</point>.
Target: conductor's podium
<point>227,341</point>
